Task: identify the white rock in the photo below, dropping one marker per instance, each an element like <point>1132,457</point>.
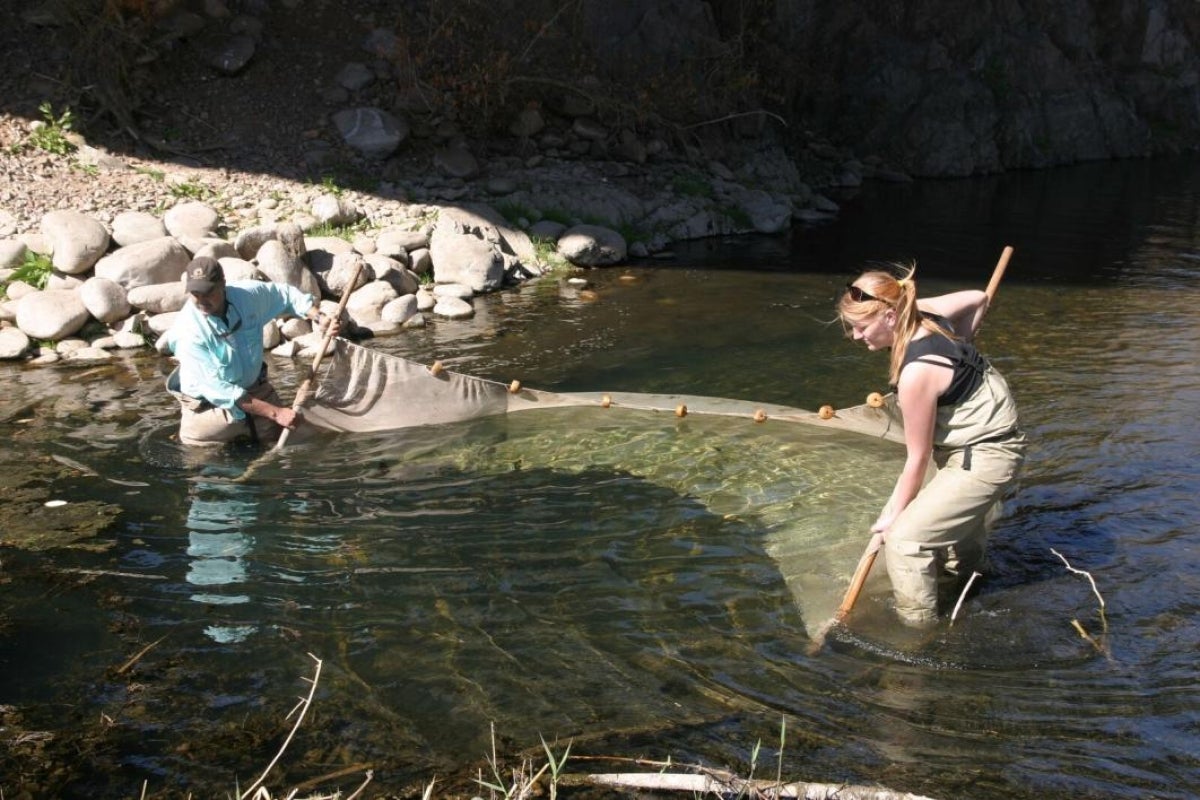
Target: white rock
<point>161,323</point>
<point>159,298</point>
<point>592,246</point>
<point>131,227</point>
<point>104,299</point>
<point>76,240</point>
<point>13,343</point>
<point>191,218</point>
<point>333,209</point>
<point>366,303</point>
<point>453,290</point>
<point>453,308</point>
<point>88,354</point>
<point>51,315</point>
<point>12,253</point>
<point>145,263</point>
<point>400,310</point>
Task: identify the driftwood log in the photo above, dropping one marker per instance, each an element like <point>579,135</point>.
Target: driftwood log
<point>728,785</point>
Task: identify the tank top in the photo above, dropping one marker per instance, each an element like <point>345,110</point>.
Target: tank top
<point>966,361</point>
<point>978,406</point>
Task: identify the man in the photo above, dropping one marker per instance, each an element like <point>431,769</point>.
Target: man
<point>221,381</point>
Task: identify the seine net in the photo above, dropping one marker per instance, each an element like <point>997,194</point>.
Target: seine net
<point>807,478</point>
<point>362,390</point>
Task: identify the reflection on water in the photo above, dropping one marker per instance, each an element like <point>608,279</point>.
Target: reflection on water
<point>219,541</point>
<point>647,585</point>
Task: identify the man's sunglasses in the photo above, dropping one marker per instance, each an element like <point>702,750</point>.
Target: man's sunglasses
<point>858,295</point>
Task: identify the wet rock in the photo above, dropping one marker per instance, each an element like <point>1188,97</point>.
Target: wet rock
<point>592,246</point>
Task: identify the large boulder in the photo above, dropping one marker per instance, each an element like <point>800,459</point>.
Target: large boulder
<point>192,219</point>
<point>159,260</point>
<point>76,240</point>
<point>373,132</point>
<point>592,246</point>
<point>159,298</point>
<point>105,300</point>
<point>51,315</point>
<point>131,227</point>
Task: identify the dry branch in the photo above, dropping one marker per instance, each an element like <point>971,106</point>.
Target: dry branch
<point>1084,573</point>
<point>963,596</point>
<point>725,784</point>
<point>138,656</point>
<point>1099,645</point>
<point>303,705</point>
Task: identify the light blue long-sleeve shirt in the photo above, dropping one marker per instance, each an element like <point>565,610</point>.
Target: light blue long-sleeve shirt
<point>220,358</point>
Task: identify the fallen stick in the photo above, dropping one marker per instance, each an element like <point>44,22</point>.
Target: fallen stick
<point>730,785</point>
<point>963,596</point>
<point>304,704</point>
<point>138,655</point>
<point>1086,574</point>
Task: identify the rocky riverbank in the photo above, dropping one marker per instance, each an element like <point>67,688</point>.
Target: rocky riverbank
<point>240,143</point>
<point>93,243</point>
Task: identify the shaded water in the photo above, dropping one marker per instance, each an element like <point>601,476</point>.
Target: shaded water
<point>642,584</point>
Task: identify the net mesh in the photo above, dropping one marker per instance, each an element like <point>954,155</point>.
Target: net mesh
<point>362,390</point>
<point>802,483</point>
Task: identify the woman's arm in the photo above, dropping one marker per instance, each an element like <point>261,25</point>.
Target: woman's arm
<point>917,395</point>
<point>965,310</point>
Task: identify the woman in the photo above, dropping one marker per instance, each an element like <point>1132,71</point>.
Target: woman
<point>959,414</point>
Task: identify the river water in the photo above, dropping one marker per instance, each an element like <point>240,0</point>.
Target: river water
<point>638,584</point>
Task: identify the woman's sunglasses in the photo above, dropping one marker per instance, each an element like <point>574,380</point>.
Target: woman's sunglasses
<point>858,295</point>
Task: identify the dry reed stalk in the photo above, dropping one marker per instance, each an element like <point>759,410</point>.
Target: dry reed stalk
<point>963,596</point>
<point>303,705</point>
<point>138,655</point>
<point>1075,623</point>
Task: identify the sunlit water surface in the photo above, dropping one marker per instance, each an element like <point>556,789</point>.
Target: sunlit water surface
<point>637,583</point>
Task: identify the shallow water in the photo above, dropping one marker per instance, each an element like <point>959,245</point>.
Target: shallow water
<point>641,584</point>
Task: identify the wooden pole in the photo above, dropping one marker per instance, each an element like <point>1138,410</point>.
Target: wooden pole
<point>311,379</point>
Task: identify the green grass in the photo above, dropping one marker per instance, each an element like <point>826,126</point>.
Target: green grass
<point>191,189</point>
<point>35,271</point>
<point>545,251</point>
<point>329,185</point>
<point>340,178</point>
<point>51,135</point>
<point>739,217</point>
<point>515,212</point>
<point>559,216</point>
<point>692,185</point>
<point>347,232</point>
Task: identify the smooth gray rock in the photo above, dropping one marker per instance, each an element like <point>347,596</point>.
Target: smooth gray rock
<point>14,343</point>
<point>373,132</point>
<point>132,227</point>
<point>105,300</point>
<point>76,240</point>
<point>51,315</point>
<point>592,246</point>
<point>146,263</point>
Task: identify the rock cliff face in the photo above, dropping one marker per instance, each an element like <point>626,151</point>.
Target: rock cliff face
<point>949,88</point>
<point>927,88</point>
<point>943,87</point>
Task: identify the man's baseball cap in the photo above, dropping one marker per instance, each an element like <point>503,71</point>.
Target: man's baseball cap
<point>204,274</point>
